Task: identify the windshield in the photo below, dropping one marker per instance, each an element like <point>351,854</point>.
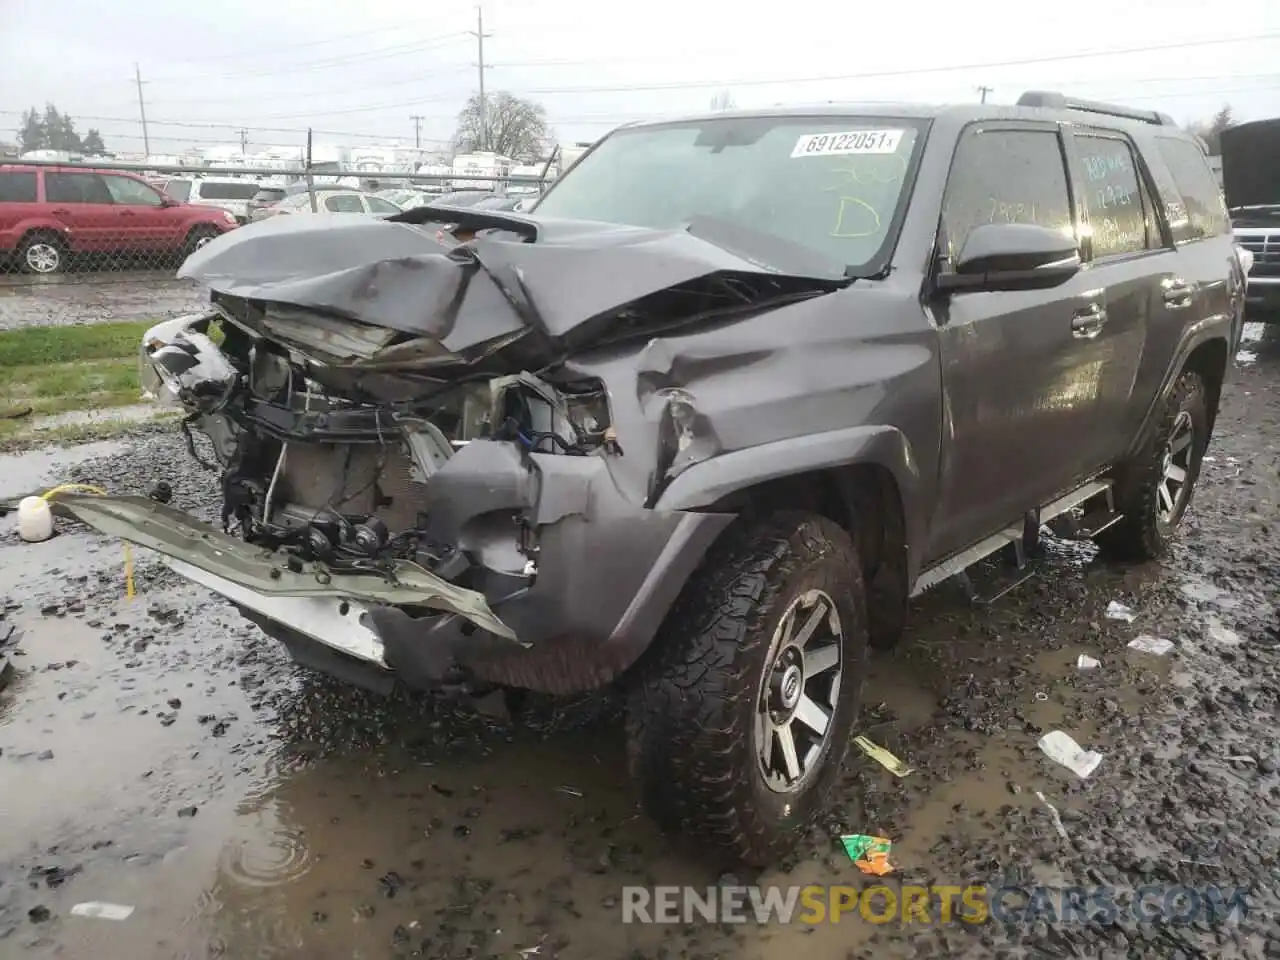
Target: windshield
<point>831,184</point>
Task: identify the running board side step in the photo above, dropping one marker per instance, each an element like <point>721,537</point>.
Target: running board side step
<point>1019,538</point>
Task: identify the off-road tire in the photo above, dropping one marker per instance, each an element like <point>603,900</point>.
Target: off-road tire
<point>692,709</point>
<point>197,237</point>
<point>1142,534</point>
<point>46,239</point>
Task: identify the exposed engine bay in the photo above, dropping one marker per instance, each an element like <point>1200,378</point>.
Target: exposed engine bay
<point>331,465</point>
<point>420,432</point>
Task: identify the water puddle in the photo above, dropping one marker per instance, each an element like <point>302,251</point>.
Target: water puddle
<point>35,470</point>
<point>133,413</point>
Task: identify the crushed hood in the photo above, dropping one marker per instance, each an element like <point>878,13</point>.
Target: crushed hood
<point>570,281</point>
<point>1251,163</point>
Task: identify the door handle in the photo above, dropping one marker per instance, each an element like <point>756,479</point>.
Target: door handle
<point>1178,294</point>
<point>126,213</point>
<point>1087,322</point>
<point>59,211</point>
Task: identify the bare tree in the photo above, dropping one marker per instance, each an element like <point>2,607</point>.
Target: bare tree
<point>722,101</point>
<point>507,125</point>
<point>1211,131</point>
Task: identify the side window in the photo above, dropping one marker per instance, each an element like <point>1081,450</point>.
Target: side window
<point>1114,196</point>
<point>1202,212</point>
<point>17,187</point>
<point>343,203</point>
<point>1006,176</point>
<point>179,190</point>
<point>75,188</point>
<point>215,190</point>
<point>130,192</point>
<point>380,206</point>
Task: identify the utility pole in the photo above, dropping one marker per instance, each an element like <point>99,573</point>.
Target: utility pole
<point>142,110</point>
<point>417,130</point>
<point>479,34</point>
<point>244,140</point>
<point>311,180</point>
<point>984,91</point>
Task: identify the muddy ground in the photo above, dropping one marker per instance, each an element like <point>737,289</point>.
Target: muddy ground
<point>159,753</point>
<point>96,297</point>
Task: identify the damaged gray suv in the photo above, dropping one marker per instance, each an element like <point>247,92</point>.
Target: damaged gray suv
<point>704,420</point>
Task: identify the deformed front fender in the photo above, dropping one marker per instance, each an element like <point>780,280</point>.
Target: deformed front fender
<point>708,482</point>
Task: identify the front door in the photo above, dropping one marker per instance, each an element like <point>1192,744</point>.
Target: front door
<point>1023,371</point>
<point>142,218</point>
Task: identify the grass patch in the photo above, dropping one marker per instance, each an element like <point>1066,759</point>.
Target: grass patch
<point>36,346</point>
<point>52,370</point>
<point>83,433</point>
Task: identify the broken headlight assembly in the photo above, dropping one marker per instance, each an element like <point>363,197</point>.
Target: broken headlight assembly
<point>178,363</point>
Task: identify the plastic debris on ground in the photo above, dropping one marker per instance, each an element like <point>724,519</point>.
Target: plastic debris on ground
<point>1086,662</point>
<point>1216,632</point>
<point>1156,646</point>
<point>1054,815</point>
<point>1061,748</point>
<point>869,854</point>
<point>102,911</point>
<point>1118,611</point>
<point>883,757</point>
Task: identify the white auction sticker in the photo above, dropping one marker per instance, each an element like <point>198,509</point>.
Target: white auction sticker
<point>847,142</point>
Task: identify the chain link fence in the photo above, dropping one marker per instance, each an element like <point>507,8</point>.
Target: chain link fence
<point>91,243</point>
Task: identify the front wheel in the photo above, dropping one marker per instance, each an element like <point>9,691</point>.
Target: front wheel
<point>738,727</point>
<point>1154,489</point>
<point>199,237</point>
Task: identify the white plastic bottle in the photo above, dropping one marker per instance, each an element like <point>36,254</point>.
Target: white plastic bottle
<point>35,519</point>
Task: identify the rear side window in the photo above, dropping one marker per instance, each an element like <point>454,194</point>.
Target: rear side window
<point>1006,176</point>
<point>17,187</point>
<point>378,205</point>
<point>1114,197</point>
<point>213,190</point>
<point>1202,212</point>
<point>179,190</point>
<point>75,188</point>
<point>343,203</point>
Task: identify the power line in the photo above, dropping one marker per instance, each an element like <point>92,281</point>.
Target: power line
<point>275,49</point>
<point>398,50</point>
<point>907,72</point>
<point>294,95</point>
<point>705,84</point>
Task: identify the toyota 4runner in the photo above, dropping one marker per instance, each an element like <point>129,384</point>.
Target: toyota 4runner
<point>702,422</point>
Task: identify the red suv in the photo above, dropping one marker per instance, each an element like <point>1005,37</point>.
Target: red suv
<point>48,214</point>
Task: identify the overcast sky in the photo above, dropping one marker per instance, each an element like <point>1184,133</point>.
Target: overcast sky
<point>356,72</point>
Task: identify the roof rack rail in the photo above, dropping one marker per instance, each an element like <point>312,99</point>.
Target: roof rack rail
<point>1058,101</point>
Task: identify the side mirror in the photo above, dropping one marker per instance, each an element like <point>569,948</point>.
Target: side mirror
<point>167,201</point>
<point>1012,256</point>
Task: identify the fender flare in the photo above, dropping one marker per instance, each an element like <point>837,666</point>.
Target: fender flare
<point>884,446</point>
<point>24,227</point>
<point>1217,327</point>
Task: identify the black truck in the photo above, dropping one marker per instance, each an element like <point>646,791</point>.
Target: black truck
<point>1251,181</point>
<point>704,420</point>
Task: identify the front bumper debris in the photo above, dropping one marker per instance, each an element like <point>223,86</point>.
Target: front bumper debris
<point>262,580</point>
